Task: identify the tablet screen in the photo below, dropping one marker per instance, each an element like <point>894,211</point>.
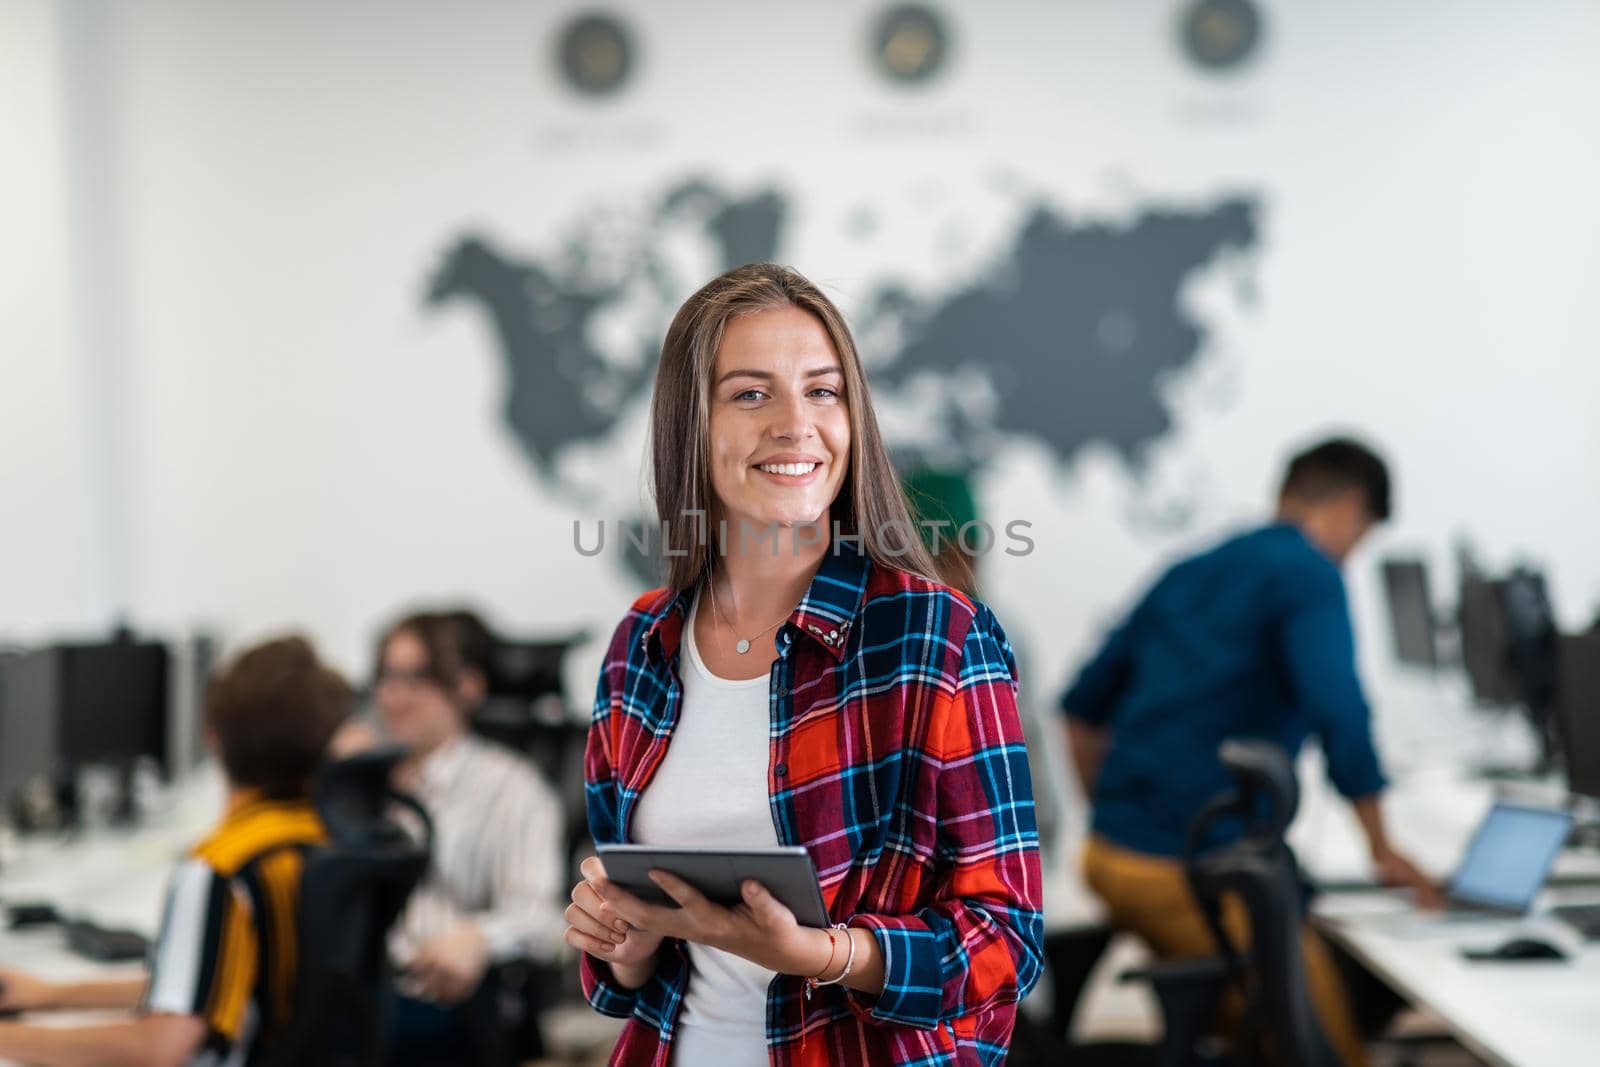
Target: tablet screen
<point>787,873</point>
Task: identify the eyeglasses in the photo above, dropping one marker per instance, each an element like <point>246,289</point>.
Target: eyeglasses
<point>415,679</point>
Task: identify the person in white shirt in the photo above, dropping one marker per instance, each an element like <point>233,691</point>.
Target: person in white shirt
<point>493,891</point>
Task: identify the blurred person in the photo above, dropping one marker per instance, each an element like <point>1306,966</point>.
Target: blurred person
<point>222,972</point>
<point>1250,639</point>
<point>493,891</point>
<point>828,693</point>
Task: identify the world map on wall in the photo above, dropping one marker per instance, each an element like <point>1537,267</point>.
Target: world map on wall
<point>1064,338</point>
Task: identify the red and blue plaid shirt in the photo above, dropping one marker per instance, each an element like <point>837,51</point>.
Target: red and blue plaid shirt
<point>897,760</point>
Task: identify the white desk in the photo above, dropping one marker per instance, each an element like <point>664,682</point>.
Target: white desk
<point>112,877</point>
<point>43,952</point>
<point>133,901</point>
<point>1514,1014</point>
<point>1432,814</point>
<point>1518,1014</point>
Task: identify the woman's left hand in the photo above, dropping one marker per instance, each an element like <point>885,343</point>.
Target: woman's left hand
<point>760,929</point>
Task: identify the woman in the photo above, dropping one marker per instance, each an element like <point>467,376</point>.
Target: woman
<point>802,680</point>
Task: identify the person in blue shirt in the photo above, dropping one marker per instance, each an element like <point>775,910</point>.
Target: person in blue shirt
<point>1250,639</point>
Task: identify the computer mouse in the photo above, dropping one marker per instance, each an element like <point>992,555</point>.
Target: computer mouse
<point>1526,948</point>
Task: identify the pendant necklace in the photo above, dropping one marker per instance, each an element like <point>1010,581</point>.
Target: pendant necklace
<point>742,645</point>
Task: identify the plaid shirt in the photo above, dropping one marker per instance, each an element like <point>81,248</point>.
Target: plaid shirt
<point>897,760</point>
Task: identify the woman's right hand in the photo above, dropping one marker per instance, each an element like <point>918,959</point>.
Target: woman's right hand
<point>594,927</point>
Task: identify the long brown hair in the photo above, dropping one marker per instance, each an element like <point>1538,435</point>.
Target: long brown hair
<point>870,504</point>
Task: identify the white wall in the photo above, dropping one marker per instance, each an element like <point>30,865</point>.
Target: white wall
<point>54,559</point>
<point>304,445</point>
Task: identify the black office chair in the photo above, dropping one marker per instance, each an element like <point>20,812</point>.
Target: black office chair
<point>1261,872</point>
<point>351,893</point>
<point>518,993</point>
<point>526,710</point>
<point>1070,958</point>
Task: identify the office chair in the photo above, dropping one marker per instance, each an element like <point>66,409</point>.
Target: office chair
<point>351,892</point>
<point>1261,872</point>
<point>555,749</point>
<point>525,710</point>
<point>1070,957</point>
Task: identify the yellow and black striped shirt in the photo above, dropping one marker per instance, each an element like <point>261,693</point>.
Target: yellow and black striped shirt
<point>228,939</point>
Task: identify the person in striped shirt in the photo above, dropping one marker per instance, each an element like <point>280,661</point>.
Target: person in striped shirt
<point>221,981</point>
<point>803,679</point>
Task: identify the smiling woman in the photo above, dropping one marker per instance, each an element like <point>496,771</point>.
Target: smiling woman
<point>777,376</point>
<point>833,696</point>
<point>757,346</point>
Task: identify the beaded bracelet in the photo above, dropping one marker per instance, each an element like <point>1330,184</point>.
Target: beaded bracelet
<point>849,961</point>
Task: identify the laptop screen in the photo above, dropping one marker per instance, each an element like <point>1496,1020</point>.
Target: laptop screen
<point>1506,864</point>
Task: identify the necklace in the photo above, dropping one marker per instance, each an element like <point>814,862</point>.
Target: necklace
<point>742,645</point>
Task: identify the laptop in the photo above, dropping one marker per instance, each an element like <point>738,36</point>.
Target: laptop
<point>1508,860</point>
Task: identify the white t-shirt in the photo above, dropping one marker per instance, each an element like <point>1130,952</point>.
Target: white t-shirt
<point>711,789</point>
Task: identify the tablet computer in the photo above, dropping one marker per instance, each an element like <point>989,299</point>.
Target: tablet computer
<point>718,873</point>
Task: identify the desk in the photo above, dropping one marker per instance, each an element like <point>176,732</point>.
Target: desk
<point>1521,1014</point>
<point>1513,1014</point>
<point>114,877</point>
<point>1432,814</point>
<point>42,951</point>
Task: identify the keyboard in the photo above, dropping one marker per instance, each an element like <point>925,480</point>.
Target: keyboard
<point>1585,917</point>
<point>22,916</point>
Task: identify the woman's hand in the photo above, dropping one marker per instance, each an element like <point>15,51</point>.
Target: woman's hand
<point>760,929</point>
<point>595,926</point>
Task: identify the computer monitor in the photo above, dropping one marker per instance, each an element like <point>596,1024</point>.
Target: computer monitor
<point>1405,581</point>
<point>28,691</point>
<point>1532,636</point>
<point>113,704</point>
<point>1578,712</point>
<point>1508,647</point>
<point>1486,643</point>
